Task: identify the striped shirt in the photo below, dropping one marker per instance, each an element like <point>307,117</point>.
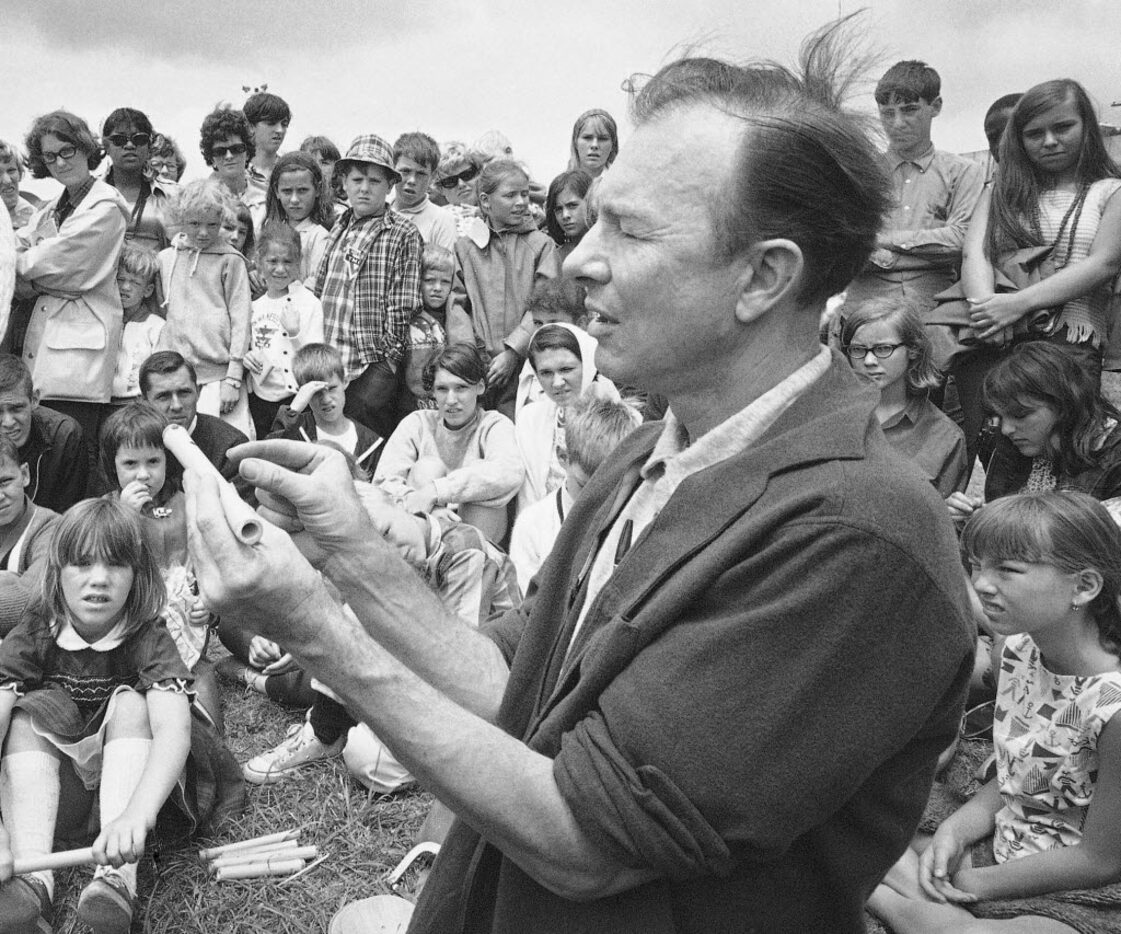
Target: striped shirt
<point>369,284</point>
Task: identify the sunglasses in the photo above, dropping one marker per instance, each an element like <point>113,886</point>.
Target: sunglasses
<point>219,152</point>
<point>137,139</point>
<point>65,153</point>
<point>452,180</point>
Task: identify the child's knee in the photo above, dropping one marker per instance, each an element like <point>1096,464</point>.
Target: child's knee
<point>129,716</point>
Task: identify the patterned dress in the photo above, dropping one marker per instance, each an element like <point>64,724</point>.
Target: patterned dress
<point>1045,730</point>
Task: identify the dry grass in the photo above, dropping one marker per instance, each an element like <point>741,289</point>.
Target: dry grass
<point>364,835</point>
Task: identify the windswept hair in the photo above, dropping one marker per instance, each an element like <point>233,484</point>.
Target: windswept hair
<point>68,128</point>
<point>922,375</point>
<point>462,360</point>
<point>10,153</point>
<point>166,147</point>
<point>1071,531</point>
<point>1038,373</point>
<point>420,147</point>
<point>594,427</point>
<point>138,425</point>
<point>435,258</point>
<point>322,211</point>
<point>576,179</point>
<point>562,295</point>
<point>806,169</point>
<point>15,376</point>
<point>264,107</point>
<point>908,82</point>
<point>1018,182</point>
<point>281,233</point>
<point>138,261</point>
<point>200,196</point>
<point>102,530</point>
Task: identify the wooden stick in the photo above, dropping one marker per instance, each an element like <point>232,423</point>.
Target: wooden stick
<point>63,860</point>
<point>308,868</point>
<point>244,522</point>
<point>263,869</point>
<point>278,837</point>
<point>268,849</point>
<point>256,856</point>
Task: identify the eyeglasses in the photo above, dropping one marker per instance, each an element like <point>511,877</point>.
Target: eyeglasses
<point>65,153</point>
<point>137,139</point>
<point>880,351</point>
<point>452,180</point>
<point>219,152</point>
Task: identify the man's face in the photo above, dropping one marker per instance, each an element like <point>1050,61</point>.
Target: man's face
<point>14,479</point>
<point>15,416</point>
<point>907,124</point>
<point>174,394</point>
<point>662,305</point>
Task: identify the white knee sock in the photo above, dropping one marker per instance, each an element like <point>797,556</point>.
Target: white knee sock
<point>29,790</point>
<point>122,763</point>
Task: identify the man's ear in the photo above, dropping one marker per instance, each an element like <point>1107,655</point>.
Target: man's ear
<point>25,475</point>
<point>936,105</point>
<point>34,398</point>
<point>773,271</point>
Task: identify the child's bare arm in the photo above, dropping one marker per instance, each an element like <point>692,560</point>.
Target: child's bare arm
<point>169,718</point>
<point>939,862</point>
<point>7,703</point>
<point>1094,862</point>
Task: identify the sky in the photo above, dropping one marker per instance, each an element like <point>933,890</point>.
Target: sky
<point>455,68</point>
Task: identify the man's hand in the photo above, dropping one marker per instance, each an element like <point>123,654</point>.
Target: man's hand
<point>264,585</point>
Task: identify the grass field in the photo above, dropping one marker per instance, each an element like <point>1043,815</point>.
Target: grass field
<point>364,835</point>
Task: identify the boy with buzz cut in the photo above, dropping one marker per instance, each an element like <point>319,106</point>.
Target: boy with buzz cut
<point>316,412</point>
<point>369,283</point>
<point>918,249</point>
<point>415,157</point>
<point>593,428</point>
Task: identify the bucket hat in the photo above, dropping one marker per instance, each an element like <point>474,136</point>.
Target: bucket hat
<point>372,150</point>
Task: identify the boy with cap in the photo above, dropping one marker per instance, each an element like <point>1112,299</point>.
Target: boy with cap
<point>369,283</point>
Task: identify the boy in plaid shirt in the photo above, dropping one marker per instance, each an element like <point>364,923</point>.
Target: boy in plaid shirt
<point>369,283</point>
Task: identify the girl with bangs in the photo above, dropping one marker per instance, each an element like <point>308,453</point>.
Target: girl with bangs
<point>1037,847</point>
<point>1055,429</point>
<point>92,689</point>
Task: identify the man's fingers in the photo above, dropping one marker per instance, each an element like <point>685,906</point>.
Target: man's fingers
<point>295,455</point>
<point>209,536</point>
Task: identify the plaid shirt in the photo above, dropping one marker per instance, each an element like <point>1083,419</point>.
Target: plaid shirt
<point>369,284</point>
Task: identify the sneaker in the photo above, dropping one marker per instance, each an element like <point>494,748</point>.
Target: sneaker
<point>25,906</point>
<point>106,905</point>
<point>299,748</point>
<point>230,669</point>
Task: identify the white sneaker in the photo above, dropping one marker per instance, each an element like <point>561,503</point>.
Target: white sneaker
<point>299,748</point>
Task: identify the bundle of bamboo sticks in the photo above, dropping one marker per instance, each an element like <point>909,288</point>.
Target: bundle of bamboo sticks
<point>273,855</point>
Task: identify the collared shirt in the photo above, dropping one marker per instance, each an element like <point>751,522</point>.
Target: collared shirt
<point>928,437</point>
<point>68,203</point>
<point>369,284</point>
<point>674,460</point>
<point>935,195</point>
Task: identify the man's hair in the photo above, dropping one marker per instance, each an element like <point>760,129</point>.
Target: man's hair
<point>222,123</point>
<point>420,147</point>
<point>9,453</point>
<point>138,261</point>
<point>593,428</point>
<point>436,258</point>
<point>317,361</point>
<point>15,376</point>
<point>164,363</point>
<point>264,107</point>
<point>806,169</point>
<point>908,82</point>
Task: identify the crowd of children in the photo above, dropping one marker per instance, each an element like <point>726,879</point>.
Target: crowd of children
<point>433,339</point>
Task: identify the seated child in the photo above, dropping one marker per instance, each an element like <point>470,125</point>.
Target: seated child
<point>552,301</point>
<point>286,318</point>
<point>457,455</point>
<point>150,482</point>
<point>593,429</point>
<point>136,281</point>
<point>1038,841</point>
<point>207,299</point>
<point>427,334</point>
<point>316,411</point>
<point>90,684</point>
<point>472,577</point>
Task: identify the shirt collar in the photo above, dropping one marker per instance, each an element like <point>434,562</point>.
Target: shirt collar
<point>415,209</point>
<point>678,459</point>
<point>923,161</point>
<point>910,412</point>
<point>68,638</point>
<point>73,200</point>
